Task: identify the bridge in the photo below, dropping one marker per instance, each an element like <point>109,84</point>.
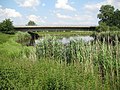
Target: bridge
<point>55,28</point>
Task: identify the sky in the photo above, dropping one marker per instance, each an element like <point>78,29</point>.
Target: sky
<point>54,12</point>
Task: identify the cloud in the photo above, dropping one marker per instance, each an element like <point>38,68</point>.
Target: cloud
<point>94,7</point>
<point>28,3</point>
<point>36,19</point>
<point>115,3</point>
<point>9,13</point>
<point>63,16</point>
<point>76,19</point>
<point>63,4</point>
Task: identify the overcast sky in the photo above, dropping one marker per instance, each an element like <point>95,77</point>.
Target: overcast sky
<point>53,12</point>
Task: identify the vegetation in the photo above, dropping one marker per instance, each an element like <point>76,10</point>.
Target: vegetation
<point>31,23</point>
<point>6,26</point>
<point>54,66</point>
<point>4,37</point>
<point>66,34</point>
<point>51,65</point>
<point>109,18</point>
<point>23,38</point>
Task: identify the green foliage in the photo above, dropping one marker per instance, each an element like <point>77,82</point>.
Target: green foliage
<point>114,28</point>
<point>7,26</point>
<point>106,14</point>
<point>43,75</point>
<point>109,17</point>
<point>31,23</point>
<point>93,66</point>
<point>108,37</point>
<point>4,37</point>
<point>66,34</point>
<point>102,27</point>
<point>14,50</point>
<point>116,18</point>
<point>22,38</point>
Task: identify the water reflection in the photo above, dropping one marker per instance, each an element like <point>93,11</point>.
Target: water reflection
<point>65,40</point>
<point>76,38</point>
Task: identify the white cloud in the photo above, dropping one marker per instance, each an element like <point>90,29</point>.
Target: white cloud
<point>63,16</point>
<point>76,19</point>
<point>9,13</point>
<point>94,7</point>
<point>28,3</point>
<point>63,4</point>
<point>36,19</point>
<point>115,3</point>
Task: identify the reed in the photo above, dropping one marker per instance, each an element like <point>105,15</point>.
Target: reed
<point>94,57</point>
<point>54,66</point>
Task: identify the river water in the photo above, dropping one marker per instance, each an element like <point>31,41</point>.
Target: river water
<point>66,40</point>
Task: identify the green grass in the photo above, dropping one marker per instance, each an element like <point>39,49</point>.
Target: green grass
<point>66,34</point>
<point>97,59</point>
<point>4,37</point>
<point>9,48</point>
<point>53,66</point>
<point>43,75</point>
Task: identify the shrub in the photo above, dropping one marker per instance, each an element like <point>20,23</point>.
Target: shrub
<point>7,26</point>
<point>23,38</point>
<point>102,27</point>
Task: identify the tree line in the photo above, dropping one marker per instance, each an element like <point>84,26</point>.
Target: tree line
<point>6,26</point>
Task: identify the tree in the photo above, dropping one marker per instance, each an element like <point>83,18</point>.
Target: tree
<point>116,18</point>
<point>109,18</point>
<point>7,26</point>
<point>106,14</point>
<point>31,23</point>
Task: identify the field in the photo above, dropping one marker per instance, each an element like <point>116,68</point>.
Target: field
<point>51,65</point>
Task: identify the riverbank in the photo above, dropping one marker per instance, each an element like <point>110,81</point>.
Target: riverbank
<point>52,65</point>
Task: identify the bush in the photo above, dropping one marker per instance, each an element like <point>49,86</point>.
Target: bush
<point>7,26</point>
<point>102,27</point>
<point>23,38</point>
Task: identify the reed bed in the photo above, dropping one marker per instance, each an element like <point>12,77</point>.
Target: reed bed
<point>98,59</point>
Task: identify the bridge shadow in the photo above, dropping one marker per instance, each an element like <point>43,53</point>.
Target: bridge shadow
<point>34,36</point>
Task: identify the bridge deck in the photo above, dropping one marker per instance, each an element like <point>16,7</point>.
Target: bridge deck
<point>53,28</point>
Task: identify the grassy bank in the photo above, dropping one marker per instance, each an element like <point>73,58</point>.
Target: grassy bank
<point>4,37</point>
<point>54,66</point>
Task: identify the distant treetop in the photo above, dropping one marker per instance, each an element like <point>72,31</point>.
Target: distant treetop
<point>31,23</point>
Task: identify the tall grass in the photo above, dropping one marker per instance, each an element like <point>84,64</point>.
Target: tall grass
<point>4,37</point>
<point>98,59</point>
<point>74,66</point>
